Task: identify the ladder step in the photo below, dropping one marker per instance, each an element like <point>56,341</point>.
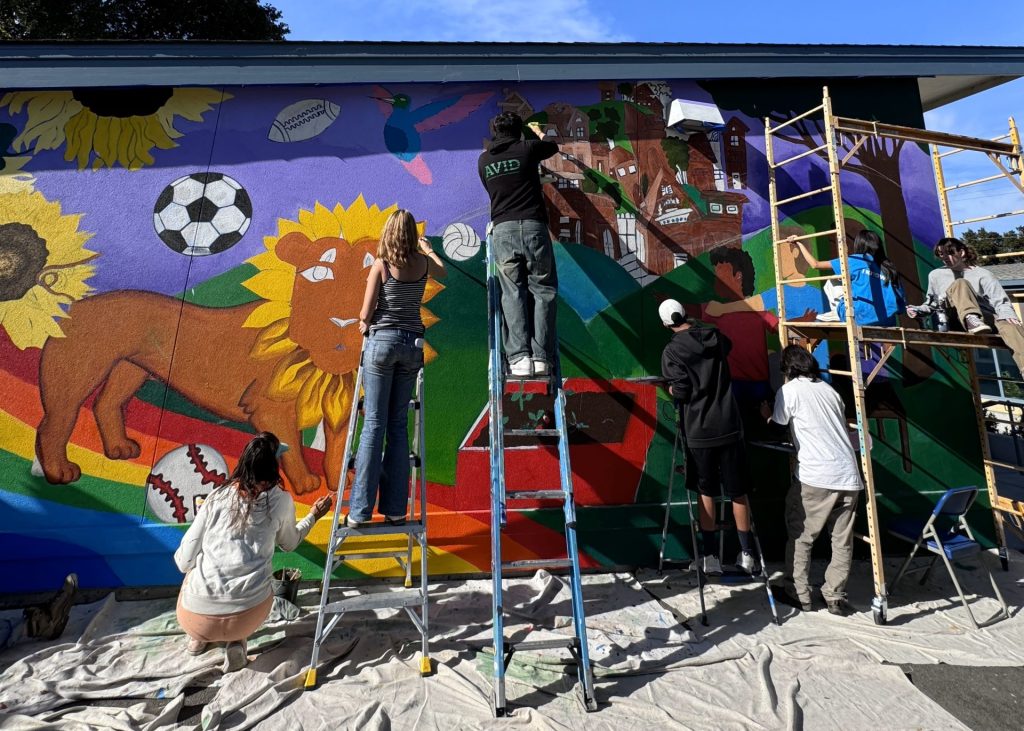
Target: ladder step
<point>527,645</point>
<point>535,495</point>
<point>377,600</point>
<point>536,563</point>
<point>370,555</point>
<point>383,529</point>
<point>531,432</point>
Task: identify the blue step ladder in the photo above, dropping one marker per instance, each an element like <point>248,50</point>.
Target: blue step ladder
<point>500,497</point>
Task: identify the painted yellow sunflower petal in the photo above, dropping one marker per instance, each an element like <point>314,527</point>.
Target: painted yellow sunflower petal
<point>192,102</point>
<point>272,342</point>
<point>267,313</point>
<point>101,141</point>
<point>325,223</point>
<point>290,375</point>
<point>431,290</point>
<point>30,321</point>
<point>80,148</point>
<point>157,135</point>
<point>285,226</point>
<point>271,284</point>
<point>308,405</point>
<point>337,400</point>
<point>48,116</point>
<point>269,260</point>
<point>428,317</point>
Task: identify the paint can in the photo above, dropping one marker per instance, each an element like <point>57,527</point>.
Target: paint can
<point>285,583</point>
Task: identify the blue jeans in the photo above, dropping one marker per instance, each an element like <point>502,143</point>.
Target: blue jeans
<point>391,361</point>
<point>526,271</point>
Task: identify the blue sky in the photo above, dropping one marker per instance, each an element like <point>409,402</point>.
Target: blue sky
<point>944,22</point>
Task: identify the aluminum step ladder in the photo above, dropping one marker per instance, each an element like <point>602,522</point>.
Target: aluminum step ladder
<point>501,497</point>
<point>722,505</point>
<point>414,600</point>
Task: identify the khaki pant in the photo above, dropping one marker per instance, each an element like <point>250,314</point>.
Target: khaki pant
<point>808,511</point>
<point>224,627</point>
<point>963,299</point>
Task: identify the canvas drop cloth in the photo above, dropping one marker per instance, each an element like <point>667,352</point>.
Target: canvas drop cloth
<point>656,667</point>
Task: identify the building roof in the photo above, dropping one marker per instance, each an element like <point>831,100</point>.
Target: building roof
<point>944,73</point>
<point>1011,275</point>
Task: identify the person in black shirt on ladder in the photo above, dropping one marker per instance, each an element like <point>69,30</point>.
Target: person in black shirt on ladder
<point>522,246</point>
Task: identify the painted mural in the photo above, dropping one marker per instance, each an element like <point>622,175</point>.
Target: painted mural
<point>182,267</point>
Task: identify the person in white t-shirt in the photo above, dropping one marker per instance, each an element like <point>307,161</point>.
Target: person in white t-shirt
<point>226,553</point>
<point>828,480</point>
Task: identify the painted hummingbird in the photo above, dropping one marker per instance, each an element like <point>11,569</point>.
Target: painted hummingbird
<point>405,124</point>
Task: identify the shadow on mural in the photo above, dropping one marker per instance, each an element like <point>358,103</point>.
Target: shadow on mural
<point>182,267</point>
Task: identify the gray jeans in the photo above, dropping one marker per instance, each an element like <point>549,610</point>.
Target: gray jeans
<point>808,511</point>
<point>529,285</point>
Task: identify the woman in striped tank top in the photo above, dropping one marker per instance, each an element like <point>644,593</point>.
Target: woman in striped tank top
<point>391,359</point>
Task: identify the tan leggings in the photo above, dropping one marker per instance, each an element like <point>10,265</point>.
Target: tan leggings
<point>224,627</point>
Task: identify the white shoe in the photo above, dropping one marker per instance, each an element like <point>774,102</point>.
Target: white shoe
<point>711,566</point>
<point>746,562</point>
<point>522,368</point>
<point>235,656</point>
<point>540,368</point>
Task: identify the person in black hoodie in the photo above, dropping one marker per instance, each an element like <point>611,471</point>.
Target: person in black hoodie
<point>695,366</point>
<point>522,246</point>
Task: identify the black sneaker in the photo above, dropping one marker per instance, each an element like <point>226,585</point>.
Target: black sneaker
<point>839,607</point>
<point>782,596</point>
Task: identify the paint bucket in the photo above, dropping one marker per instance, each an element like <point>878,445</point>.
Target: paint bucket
<point>285,583</point>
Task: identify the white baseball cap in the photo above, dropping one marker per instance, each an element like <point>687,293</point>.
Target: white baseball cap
<point>671,313</point>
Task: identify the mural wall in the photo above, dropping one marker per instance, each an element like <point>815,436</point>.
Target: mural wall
<point>182,267</point>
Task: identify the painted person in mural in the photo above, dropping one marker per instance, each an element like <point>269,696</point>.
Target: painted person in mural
<point>874,282</point>
<point>746,329</point>
<point>828,482</point>
<point>973,295</point>
<point>697,370</point>
<point>509,170</point>
<point>392,358</point>
<point>227,552</point>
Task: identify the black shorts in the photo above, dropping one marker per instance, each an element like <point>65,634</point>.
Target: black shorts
<point>714,470</point>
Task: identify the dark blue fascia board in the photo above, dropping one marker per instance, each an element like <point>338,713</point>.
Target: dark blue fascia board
<point>49,65</point>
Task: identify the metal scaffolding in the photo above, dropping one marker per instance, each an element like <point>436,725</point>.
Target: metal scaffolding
<point>1005,154</point>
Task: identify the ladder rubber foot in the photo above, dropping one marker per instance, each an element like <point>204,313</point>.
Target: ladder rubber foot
<point>408,583</point>
<point>426,666</point>
<point>310,681</point>
<point>499,711</point>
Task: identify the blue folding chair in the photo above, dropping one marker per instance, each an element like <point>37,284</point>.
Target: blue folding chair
<point>954,543</point>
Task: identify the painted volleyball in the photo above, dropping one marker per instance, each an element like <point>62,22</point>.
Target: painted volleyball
<point>460,242</point>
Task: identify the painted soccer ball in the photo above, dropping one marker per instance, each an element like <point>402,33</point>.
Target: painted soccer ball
<point>460,242</point>
<point>181,480</point>
<point>202,213</point>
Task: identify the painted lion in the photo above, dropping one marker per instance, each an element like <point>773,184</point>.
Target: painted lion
<point>283,363</point>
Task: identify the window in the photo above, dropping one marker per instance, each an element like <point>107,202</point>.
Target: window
<point>737,181</point>
<point>715,207</point>
<point>608,243</point>
<point>632,168</point>
<point>562,183</point>
<point>734,140</point>
<point>563,219</point>
<point>579,132</point>
<point>732,208</point>
<point>994,365</point>
<point>574,183</point>
<point>600,166</point>
<point>679,259</point>
<point>622,172</point>
<point>666,190</point>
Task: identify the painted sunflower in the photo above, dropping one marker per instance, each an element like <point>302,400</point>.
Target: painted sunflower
<point>43,266</point>
<point>312,276</point>
<point>107,126</point>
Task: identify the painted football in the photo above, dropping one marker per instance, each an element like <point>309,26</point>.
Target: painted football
<point>303,120</point>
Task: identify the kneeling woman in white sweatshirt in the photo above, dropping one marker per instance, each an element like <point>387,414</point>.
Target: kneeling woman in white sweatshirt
<point>226,554</point>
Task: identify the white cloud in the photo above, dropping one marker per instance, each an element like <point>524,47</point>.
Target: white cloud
<point>456,20</point>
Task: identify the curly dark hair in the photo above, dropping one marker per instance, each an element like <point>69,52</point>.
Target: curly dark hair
<point>951,245</point>
<point>507,124</point>
<point>741,264</point>
<point>797,361</point>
